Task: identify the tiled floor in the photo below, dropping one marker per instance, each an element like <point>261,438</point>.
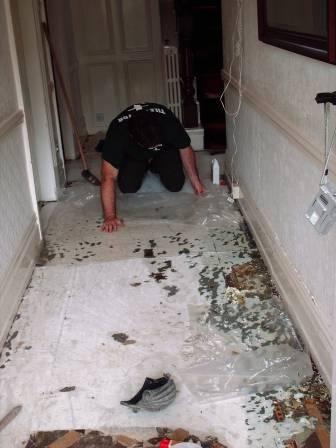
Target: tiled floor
<point>90,286</point>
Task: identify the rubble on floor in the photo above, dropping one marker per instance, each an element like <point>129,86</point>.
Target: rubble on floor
<point>98,439</point>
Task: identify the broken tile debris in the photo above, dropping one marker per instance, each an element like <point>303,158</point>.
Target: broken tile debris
<point>321,431</point>
<point>98,439</point>
<point>278,412</point>
<point>290,444</point>
<point>180,435</point>
<point>126,441</point>
<point>68,440</point>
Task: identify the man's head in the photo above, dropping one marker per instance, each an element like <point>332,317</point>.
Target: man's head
<point>144,128</point>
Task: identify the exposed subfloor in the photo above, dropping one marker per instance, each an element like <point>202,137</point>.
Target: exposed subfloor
<point>181,280</point>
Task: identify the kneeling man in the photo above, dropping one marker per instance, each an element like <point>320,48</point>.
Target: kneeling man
<point>144,137</point>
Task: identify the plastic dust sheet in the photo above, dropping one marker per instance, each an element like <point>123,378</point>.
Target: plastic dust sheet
<point>253,321</point>
<point>219,365</point>
<point>243,373</point>
<point>239,344</point>
<point>211,209</point>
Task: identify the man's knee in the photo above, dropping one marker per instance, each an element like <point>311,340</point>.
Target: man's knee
<point>175,188</point>
<point>174,185</point>
<point>129,186</point>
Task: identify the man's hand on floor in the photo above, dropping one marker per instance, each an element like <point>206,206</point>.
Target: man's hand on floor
<point>112,224</point>
<point>199,188</point>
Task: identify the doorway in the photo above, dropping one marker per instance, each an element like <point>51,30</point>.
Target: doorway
<point>201,53</point>
<point>110,55</point>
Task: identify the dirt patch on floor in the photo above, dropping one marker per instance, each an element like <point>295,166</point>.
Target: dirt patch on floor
<point>123,338</point>
<point>252,277</point>
<point>68,389</point>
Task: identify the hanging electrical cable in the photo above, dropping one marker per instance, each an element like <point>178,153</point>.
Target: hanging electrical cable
<point>237,55</point>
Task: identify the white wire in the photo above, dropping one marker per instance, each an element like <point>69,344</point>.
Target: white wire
<point>237,53</point>
<point>235,152</point>
<point>328,151</point>
<point>326,128</point>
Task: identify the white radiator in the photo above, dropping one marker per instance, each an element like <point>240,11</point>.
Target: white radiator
<point>172,80</point>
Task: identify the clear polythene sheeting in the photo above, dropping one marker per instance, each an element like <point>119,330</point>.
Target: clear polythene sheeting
<point>210,210</point>
<point>235,374</point>
<point>254,322</point>
<point>219,364</point>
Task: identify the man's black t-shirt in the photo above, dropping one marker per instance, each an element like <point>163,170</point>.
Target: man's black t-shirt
<point>119,145</point>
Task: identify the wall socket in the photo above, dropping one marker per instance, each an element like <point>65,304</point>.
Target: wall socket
<point>236,192</point>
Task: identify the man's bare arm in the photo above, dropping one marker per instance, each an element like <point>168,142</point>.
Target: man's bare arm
<point>190,166</point>
<point>108,197</point>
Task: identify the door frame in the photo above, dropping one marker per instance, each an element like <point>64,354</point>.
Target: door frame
<point>40,103</point>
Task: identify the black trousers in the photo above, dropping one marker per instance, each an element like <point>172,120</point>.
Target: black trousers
<point>167,164</point>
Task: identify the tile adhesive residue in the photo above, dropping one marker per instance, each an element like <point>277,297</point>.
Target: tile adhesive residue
<point>180,289</point>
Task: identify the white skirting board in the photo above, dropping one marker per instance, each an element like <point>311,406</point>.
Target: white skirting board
<point>296,297</point>
<point>18,275</point>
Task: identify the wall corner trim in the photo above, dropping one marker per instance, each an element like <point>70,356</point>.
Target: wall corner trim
<point>17,277</point>
<point>282,124</point>
<point>299,303</point>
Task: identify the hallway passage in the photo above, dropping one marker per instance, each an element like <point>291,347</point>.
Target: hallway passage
<point>182,284</point>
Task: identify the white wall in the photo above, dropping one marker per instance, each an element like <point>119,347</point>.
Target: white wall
<point>279,163</point>
<point>19,235</point>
